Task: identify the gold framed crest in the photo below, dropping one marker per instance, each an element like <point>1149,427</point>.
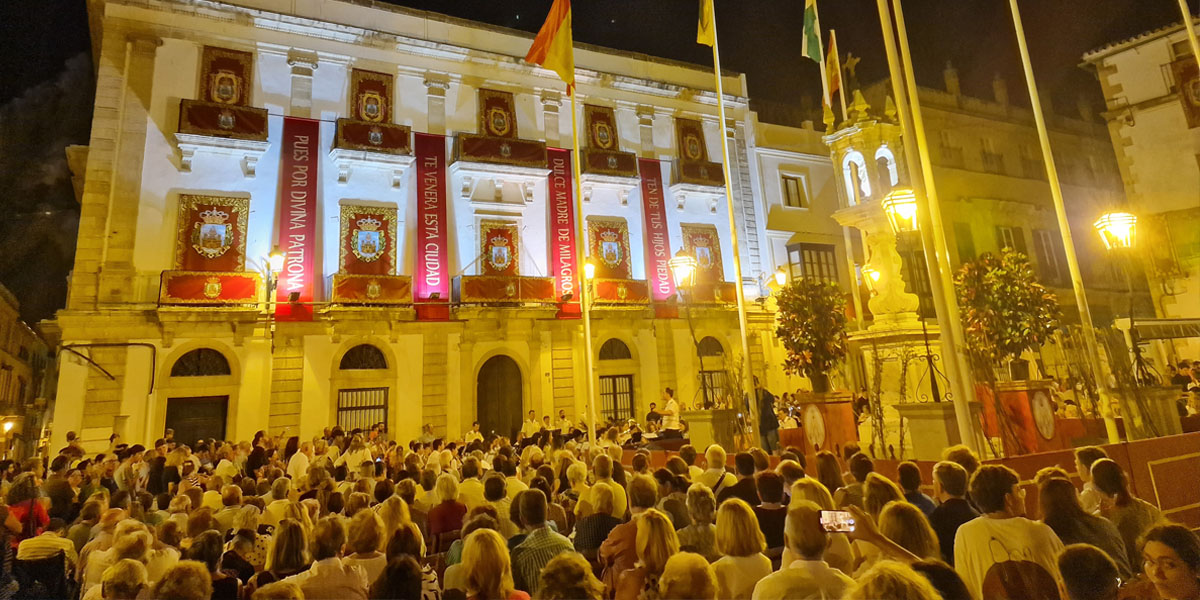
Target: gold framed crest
<point>370,106</point>
<point>226,76</point>
<point>498,122</point>
<point>497,114</point>
<point>371,96</point>
<point>368,239</point>
<point>500,247</point>
<point>211,233</point>
<point>703,243</point>
<point>608,245</point>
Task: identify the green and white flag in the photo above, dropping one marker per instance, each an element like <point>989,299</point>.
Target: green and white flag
<point>811,45</point>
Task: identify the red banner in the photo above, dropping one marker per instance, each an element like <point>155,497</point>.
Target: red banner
<point>432,269</point>
<point>563,264</point>
<point>298,219</point>
<point>658,241</point>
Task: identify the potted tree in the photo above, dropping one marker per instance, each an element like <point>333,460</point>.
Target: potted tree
<point>1006,312</point>
<point>811,324</point>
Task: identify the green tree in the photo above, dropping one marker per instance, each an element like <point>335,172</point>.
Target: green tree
<point>812,326</point>
<point>1005,311</point>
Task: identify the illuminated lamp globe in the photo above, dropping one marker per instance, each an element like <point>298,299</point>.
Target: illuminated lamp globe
<point>901,208</point>
<point>589,270</point>
<point>8,425</point>
<point>1117,230</point>
<point>870,277</point>
<point>780,276</point>
<point>275,260</point>
<point>683,268</point>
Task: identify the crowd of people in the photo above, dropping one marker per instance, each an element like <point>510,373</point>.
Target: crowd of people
<point>351,515</point>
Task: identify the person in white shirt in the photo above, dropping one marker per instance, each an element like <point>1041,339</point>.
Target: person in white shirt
<point>670,414</point>
<point>470,489</point>
<point>473,435</point>
<point>564,424</point>
<point>809,576</point>
<point>281,490</point>
<point>1003,534</point>
<point>531,425</point>
<point>297,467</point>
<point>1090,496</point>
<point>716,477</point>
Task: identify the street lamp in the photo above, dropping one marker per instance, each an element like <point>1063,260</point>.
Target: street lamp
<point>870,278</point>
<point>901,208</point>
<point>275,262</point>
<point>589,270</point>
<point>1117,230</point>
<point>780,276</point>
<point>683,269</point>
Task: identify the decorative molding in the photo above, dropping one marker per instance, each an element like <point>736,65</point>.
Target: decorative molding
<point>247,151</point>
<point>474,173</point>
<point>589,182</point>
<point>346,159</point>
<point>711,194</point>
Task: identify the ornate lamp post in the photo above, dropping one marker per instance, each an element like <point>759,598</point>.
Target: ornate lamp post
<point>275,262</point>
<point>900,206</point>
<point>780,277</point>
<point>1118,231</point>
<point>683,269</point>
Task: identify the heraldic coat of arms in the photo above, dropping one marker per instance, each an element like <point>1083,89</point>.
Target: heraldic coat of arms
<point>367,241</point>
<point>212,235</point>
<point>704,256</point>
<point>610,248</point>
<point>500,256</point>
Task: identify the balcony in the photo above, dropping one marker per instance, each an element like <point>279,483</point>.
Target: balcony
<point>224,129</point>
<point>212,288</point>
<point>952,157</point>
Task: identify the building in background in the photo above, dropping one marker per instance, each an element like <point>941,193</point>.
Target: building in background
<point>26,380</point>
<point>1152,93</point>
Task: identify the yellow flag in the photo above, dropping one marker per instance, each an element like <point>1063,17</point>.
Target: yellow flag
<point>706,29</point>
<point>552,48</point>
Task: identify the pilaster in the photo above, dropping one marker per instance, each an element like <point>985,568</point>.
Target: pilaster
<point>436,85</point>
<point>303,63</point>
<point>551,103</point>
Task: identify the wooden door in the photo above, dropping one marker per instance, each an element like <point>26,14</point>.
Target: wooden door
<point>197,418</point>
<point>498,396</point>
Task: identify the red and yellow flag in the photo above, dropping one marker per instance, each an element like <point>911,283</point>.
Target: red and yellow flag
<point>553,46</point>
<point>833,67</point>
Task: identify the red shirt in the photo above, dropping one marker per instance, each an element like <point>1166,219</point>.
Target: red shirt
<point>31,526</point>
<point>447,516</point>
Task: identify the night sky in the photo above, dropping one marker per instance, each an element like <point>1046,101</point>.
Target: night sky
<point>46,87</point>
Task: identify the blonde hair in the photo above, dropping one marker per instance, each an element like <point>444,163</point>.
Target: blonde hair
<point>701,504</point>
<point>803,532</point>
<point>892,580</point>
<point>715,457</point>
<point>280,590</point>
<point>123,580</point>
<point>394,512</point>
<point>906,525</point>
<point>738,533</point>
<point>177,457</point>
<point>602,499</point>
<point>486,563</point>
<point>807,488</point>
<point>187,580</point>
<point>687,576</point>
<point>877,492</point>
<point>288,547</point>
<point>447,487</point>
<point>656,540</point>
<point>568,576</point>
<point>576,473</point>
<point>366,532</point>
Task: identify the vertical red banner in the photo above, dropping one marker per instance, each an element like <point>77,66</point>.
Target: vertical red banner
<point>431,274</point>
<point>564,265</point>
<point>298,180</point>
<point>658,239</point>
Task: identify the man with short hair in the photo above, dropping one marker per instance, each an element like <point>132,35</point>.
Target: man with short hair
<point>716,477</point>
<point>51,541</point>
<point>297,467</point>
<point>909,475</point>
<point>329,577</point>
<point>564,424</point>
<point>470,489</point>
<point>861,465</point>
<point>539,546</point>
<point>58,489</point>
<point>687,452</point>
<point>1088,573</point>
<point>950,489</point>
<point>531,425</point>
<point>670,416</point>
<point>474,435</point>
<point>128,475</point>
<point>619,550</point>
<point>231,504</point>
<point>745,489</point>
<point>653,416</point>
<point>809,576</point>
<point>1004,535</point>
<point>1089,497</point>
<point>602,467</point>
<point>273,513</point>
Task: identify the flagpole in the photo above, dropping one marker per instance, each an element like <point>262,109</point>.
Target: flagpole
<point>1191,29</point>
<point>837,64</point>
<point>733,235</point>
<point>1064,226</point>
<point>585,298</point>
<point>931,229</point>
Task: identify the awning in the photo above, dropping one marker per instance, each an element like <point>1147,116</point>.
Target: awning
<point>1167,329</point>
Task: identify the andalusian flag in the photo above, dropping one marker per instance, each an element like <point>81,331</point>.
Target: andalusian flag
<point>706,29</point>
<point>553,46</point>
<point>833,66</point>
<point>810,46</point>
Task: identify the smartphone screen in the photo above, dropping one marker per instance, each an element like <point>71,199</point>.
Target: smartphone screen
<point>837,521</point>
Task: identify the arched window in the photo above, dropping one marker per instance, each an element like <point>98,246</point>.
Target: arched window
<point>885,169</point>
<point>854,169</point>
<point>200,362</point>
<point>709,346</point>
<point>363,356</point>
<point>615,349</point>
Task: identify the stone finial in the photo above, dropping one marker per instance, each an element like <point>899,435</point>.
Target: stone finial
<point>860,109</point>
<point>827,115</point>
<point>950,74</point>
<point>1000,90</point>
<point>889,109</point>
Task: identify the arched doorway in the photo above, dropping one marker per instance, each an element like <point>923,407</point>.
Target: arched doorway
<point>616,367</point>
<point>199,417</point>
<point>498,396</point>
<point>362,381</point>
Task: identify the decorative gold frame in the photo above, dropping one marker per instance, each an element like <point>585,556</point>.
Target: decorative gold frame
<point>347,212</point>
<point>486,226</point>
<point>163,297</point>
<point>608,118</point>
<point>687,230</point>
<point>183,226</point>
<point>507,99</point>
<point>360,75</point>
<point>593,243</point>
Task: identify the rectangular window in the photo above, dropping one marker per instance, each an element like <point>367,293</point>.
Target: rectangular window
<point>362,408</point>
<point>717,384</point>
<point>1010,237</point>
<point>915,272</point>
<point>616,397</point>
<point>794,194</point>
<point>993,161</point>
<point>951,152</point>
<point>964,241</point>
<point>818,261</point>
<point>1051,257</point>
<point>1181,49</point>
<point>1031,163</point>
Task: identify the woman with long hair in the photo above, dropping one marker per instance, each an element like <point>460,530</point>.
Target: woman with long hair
<point>1132,516</point>
<point>1171,560</point>
<point>489,571</point>
<point>829,472</point>
<point>655,543</point>
<point>287,556</point>
<point>1062,512</point>
<point>24,504</point>
<point>568,576</point>
<point>906,525</point>
<point>741,544</point>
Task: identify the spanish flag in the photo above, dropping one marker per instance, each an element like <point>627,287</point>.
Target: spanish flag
<point>553,46</point>
<point>833,66</point>
<point>706,29</point>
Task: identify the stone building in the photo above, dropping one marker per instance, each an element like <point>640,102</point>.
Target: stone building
<point>26,376</point>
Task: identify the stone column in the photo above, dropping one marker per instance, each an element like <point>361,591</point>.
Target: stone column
<point>551,102</point>
<point>303,63</point>
<point>646,129</point>
<point>436,85</point>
